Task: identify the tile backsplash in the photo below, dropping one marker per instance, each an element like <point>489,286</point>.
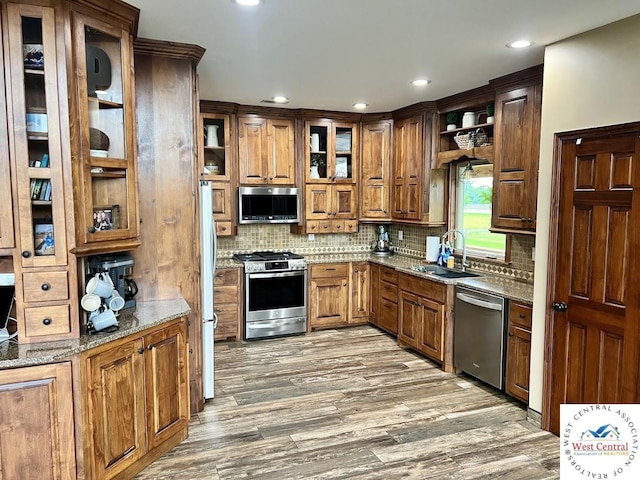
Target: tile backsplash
<point>278,237</point>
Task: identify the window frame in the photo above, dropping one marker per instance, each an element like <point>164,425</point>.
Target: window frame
<point>474,254</point>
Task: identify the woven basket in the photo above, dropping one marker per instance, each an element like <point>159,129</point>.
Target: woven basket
<point>465,141</point>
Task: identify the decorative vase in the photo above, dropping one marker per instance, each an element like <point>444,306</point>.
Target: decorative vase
<point>212,135</point>
<point>451,126</point>
<point>314,172</point>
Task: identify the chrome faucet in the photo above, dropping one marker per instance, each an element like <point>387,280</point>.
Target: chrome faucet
<point>464,246</point>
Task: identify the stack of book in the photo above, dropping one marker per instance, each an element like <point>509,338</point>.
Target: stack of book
<point>41,187</point>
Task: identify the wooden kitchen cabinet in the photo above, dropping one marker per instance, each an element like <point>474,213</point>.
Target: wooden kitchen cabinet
<point>360,291</point>
<point>46,294</point>
<point>266,153</point>
<point>36,407</point>
<point>418,191</point>
<point>518,351</point>
<point>6,203</point>
<point>375,166</point>
<point>517,148</point>
<point>328,295</point>
<point>218,164</point>
<point>423,321</point>
<point>384,298</point>
<point>136,400</point>
<point>331,208</point>
<point>104,134</point>
<point>228,303</point>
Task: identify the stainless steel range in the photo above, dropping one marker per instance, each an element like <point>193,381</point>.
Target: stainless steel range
<point>275,294</point>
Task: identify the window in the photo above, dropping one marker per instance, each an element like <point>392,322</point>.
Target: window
<point>474,188</point>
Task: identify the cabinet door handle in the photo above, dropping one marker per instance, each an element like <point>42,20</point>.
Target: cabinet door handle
<point>46,321</point>
<point>26,253</point>
<point>45,286</point>
<point>344,284</point>
<point>92,229</point>
<point>141,350</point>
<point>150,347</point>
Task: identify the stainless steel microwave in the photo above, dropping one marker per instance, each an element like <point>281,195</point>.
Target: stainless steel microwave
<point>268,205</point>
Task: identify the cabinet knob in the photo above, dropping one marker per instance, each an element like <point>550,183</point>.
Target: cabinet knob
<point>46,321</point>
<point>26,253</point>
<point>92,229</point>
<point>344,284</point>
<point>141,350</point>
<point>560,306</point>
<point>523,219</point>
<point>45,286</point>
<point>522,315</point>
<point>150,347</point>
<point>511,334</point>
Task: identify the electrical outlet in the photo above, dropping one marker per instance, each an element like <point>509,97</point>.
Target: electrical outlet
<point>400,235</point>
<point>312,237</point>
<point>533,254</point>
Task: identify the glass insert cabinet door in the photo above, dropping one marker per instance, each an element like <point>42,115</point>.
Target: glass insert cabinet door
<point>107,127</point>
<point>37,152</point>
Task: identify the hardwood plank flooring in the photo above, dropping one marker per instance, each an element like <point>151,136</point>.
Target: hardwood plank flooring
<point>350,403</point>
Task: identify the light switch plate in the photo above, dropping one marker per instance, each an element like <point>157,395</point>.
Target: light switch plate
<point>400,235</point>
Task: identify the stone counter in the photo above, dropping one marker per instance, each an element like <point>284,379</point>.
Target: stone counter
<point>143,316</point>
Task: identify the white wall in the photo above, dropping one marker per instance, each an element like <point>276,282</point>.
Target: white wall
<point>590,80</point>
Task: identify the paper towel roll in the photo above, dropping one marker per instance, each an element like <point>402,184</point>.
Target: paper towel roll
<point>433,249</point>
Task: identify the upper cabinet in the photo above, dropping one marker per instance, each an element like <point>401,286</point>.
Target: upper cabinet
<point>375,166</point>
<point>266,153</point>
<point>330,151</point>
<point>418,191</point>
<point>517,148</point>
<point>38,152</point>
<point>218,165</point>
<point>6,205</point>
<point>105,173</point>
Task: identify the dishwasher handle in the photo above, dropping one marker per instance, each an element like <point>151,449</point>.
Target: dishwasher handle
<point>478,302</point>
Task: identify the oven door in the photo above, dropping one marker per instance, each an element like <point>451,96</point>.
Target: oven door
<point>273,295</point>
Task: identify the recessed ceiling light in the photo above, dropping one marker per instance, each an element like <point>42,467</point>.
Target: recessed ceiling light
<point>520,44</point>
<point>280,99</point>
<point>248,3</point>
<point>360,106</point>
<point>421,82</point>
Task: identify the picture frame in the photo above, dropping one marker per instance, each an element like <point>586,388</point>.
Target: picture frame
<point>106,217</point>
<point>43,238</point>
<point>342,170</point>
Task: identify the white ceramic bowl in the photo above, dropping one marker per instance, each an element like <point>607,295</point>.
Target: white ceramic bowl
<point>99,153</point>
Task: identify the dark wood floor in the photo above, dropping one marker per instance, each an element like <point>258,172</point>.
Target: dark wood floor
<point>351,404</point>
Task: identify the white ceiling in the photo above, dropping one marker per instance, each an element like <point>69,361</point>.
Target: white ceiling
<point>329,54</point>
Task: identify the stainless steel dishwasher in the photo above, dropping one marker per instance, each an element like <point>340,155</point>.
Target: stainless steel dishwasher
<point>479,335</point>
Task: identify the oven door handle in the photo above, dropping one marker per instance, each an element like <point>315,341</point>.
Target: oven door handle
<point>295,273</point>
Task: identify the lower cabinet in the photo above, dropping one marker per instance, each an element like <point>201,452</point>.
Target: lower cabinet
<point>518,351</point>
<point>228,305</point>
<point>37,431</point>
<point>384,298</point>
<point>136,400</point>
<point>424,317</point>
<point>338,295</point>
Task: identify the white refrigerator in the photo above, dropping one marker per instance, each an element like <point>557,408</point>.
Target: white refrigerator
<point>208,247</point>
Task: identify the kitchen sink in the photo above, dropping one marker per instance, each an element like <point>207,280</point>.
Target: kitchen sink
<point>443,272</point>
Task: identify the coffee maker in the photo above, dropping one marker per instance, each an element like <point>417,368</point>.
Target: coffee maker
<point>120,268</point>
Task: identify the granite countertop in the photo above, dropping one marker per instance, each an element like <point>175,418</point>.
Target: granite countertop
<point>487,282</point>
<point>143,316</point>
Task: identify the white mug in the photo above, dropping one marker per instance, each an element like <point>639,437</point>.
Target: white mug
<point>100,284</point>
<point>103,320</point>
<point>115,302</point>
<point>90,302</point>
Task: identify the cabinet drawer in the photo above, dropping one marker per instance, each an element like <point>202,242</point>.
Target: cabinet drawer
<point>389,275</point>
<point>225,294</point>
<point>50,320</point>
<point>224,229</point>
<point>227,322</point>
<point>432,290</point>
<point>389,291</point>
<point>520,314</point>
<point>226,276</point>
<point>45,286</point>
<point>330,270</point>
<point>388,316</point>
